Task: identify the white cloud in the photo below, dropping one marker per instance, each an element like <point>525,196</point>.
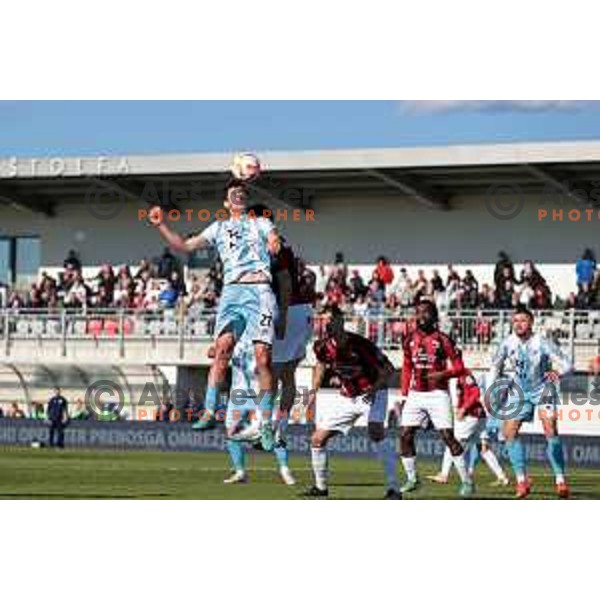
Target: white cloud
<point>494,105</point>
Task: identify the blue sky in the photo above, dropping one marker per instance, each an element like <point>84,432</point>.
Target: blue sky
<point>147,127</point>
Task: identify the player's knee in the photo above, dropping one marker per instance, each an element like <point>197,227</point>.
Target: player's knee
<point>263,356</point>
<point>223,351</point>
<point>318,439</point>
<point>452,443</point>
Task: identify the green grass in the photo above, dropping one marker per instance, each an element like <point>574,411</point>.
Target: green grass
<point>46,473</point>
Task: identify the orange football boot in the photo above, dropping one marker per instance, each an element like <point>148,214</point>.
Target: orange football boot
<point>562,490</point>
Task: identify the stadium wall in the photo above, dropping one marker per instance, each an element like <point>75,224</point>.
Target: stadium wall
<point>468,236</point>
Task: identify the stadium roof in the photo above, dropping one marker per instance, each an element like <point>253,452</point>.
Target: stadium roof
<point>429,175</point>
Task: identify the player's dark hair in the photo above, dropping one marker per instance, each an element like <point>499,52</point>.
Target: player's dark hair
<point>521,309</point>
<point>432,306</point>
<point>233,182</point>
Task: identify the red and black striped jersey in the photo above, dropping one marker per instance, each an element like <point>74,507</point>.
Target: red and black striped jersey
<point>427,354</point>
<point>357,364</point>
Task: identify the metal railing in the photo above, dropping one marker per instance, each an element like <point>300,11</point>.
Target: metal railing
<point>576,331</point>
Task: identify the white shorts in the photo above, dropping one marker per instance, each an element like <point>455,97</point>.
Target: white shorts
<point>420,405</point>
<point>297,335</point>
<point>469,430</point>
<point>343,413</point>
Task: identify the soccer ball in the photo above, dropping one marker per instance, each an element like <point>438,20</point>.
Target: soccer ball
<point>246,167</point>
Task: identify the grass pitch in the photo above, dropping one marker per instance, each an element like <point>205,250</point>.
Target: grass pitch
<point>82,474</point>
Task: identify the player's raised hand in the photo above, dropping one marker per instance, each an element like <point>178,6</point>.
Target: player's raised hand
<point>155,216</point>
<point>552,376</point>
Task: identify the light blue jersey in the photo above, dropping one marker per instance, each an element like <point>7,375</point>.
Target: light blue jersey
<point>529,362</point>
<point>242,246</point>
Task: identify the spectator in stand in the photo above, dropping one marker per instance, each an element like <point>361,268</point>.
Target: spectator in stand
<point>392,303</point>
<point>340,269</point>
<point>80,412</point>
<point>470,290</point>
<point>15,411</point>
<point>531,275</point>
<point>541,298</point>
<point>586,271</point>
<point>72,262</point>
<point>144,270</point>
<point>575,301</point>
<point>486,297</point>
<point>383,271</point>
<point>335,292</point>
<point>356,286</point>
<point>151,299</point>
<point>124,295</point>
<point>106,281</point>
<point>78,293</point>
<point>505,283</point>
<point>503,270</point>
<point>35,297</point>
<point>168,296</point>
<point>437,283</point>
<point>403,289</point>
<point>102,300</point>
<point>507,297</point>
<point>15,301</point>
<point>167,264</point>
<point>306,282</point>
<point>321,281</point>
<point>453,289</point>
<point>526,295</point>
<point>193,301</point>
<point>453,278</point>
<point>37,411</point>
<point>178,284</point>
<point>420,286</point>
<point>376,293</point>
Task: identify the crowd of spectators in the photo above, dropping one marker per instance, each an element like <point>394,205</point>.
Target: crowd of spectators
<point>149,286</point>
<point>388,290</point>
<point>158,284</point>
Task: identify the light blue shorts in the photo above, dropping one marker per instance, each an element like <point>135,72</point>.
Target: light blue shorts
<point>249,310</point>
<point>523,407</point>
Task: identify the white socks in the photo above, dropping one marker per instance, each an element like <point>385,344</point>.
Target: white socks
<point>410,467</point>
<point>492,462</point>
<point>446,464</point>
<point>320,468</point>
